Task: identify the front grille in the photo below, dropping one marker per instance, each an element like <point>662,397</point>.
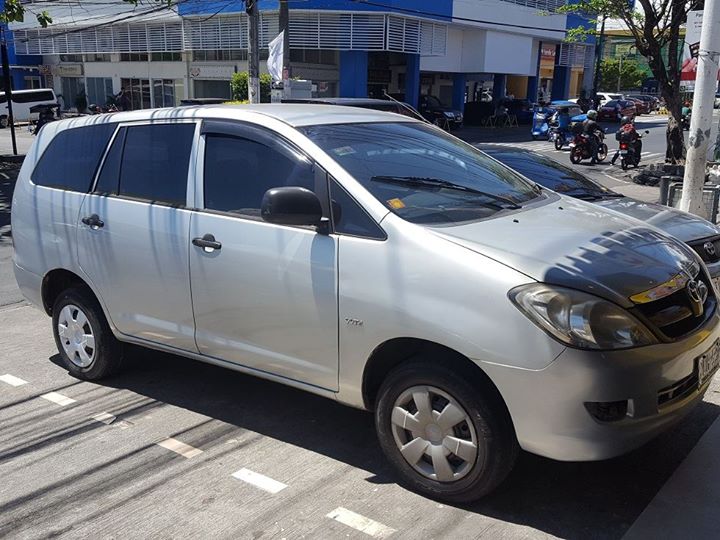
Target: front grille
<point>707,253</point>
<point>678,390</point>
<point>672,316</point>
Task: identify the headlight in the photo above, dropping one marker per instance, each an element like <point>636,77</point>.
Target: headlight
<point>449,114</point>
<point>580,320</point>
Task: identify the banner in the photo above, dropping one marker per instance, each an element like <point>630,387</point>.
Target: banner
<point>275,56</point>
<point>690,49</point>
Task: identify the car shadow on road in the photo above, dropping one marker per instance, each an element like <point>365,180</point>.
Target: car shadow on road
<point>569,500</point>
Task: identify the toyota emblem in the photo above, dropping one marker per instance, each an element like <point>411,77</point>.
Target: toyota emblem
<point>697,292</point>
<point>709,248</point>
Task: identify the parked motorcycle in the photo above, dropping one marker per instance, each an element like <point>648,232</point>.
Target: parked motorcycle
<point>580,148</point>
<point>685,122</point>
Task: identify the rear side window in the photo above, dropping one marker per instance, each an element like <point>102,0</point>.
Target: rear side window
<point>155,161</point>
<point>29,97</point>
<point>72,157</point>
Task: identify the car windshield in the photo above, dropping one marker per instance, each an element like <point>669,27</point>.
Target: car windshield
<point>432,101</point>
<point>421,173</point>
<point>615,96</point>
<point>552,175</point>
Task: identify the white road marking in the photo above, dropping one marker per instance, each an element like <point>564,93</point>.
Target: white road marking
<point>105,418</point>
<point>181,448</point>
<point>58,399</point>
<point>12,380</point>
<point>258,480</point>
<point>360,523</point>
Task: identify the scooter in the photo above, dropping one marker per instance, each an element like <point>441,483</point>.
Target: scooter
<point>580,148</point>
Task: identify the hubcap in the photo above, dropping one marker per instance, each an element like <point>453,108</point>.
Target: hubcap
<point>76,336</point>
<point>434,433</point>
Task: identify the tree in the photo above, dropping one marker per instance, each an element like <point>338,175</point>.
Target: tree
<point>239,86</point>
<point>631,76</point>
<point>655,25</point>
<point>14,11</point>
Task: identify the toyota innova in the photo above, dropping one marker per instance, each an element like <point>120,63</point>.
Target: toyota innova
<point>372,259</point>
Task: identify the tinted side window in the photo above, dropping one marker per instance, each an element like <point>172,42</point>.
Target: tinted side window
<point>155,162</point>
<point>109,178</point>
<point>30,97</point>
<point>72,157</point>
<point>239,171</point>
<point>349,217</point>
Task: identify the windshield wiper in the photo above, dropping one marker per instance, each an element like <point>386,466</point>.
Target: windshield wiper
<point>437,183</point>
<point>589,195</point>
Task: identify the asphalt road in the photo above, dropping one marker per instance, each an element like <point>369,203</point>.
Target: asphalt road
<point>152,453</point>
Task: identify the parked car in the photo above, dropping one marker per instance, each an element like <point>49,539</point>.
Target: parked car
<point>641,106</point>
<point>614,110</point>
<point>372,259</point>
<point>701,236</point>
<point>521,108</point>
<point>608,96</point>
<point>386,105</point>
<point>435,112</point>
<point>653,103</point>
<point>22,101</point>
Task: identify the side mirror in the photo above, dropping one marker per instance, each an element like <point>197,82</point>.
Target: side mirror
<point>291,206</point>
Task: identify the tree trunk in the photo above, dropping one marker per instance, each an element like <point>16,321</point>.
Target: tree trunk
<point>674,134</point>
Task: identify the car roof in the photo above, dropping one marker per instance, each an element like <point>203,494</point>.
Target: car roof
<point>342,101</point>
<point>296,115</point>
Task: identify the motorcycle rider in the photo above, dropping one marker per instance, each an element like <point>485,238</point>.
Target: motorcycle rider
<point>590,127</point>
<point>562,120</point>
<point>627,133</point>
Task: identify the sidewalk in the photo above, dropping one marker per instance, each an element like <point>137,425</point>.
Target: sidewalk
<point>688,505</point>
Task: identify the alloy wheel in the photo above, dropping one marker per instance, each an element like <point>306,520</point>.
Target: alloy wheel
<point>434,433</point>
<point>76,336</point>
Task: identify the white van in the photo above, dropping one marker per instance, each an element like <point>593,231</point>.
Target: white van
<point>22,100</point>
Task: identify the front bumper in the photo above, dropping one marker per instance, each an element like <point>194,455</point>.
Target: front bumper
<point>548,407</point>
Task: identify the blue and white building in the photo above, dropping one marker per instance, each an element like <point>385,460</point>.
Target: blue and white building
<point>457,50</point>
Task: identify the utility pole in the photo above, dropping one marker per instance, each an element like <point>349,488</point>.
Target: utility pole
<point>285,27</point>
<point>8,88</point>
<point>253,51</point>
<point>702,111</point>
<point>598,57</point>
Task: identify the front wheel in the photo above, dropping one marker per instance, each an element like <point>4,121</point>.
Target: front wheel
<point>576,155</point>
<point>447,438</point>
<point>83,337</point>
<point>602,152</point>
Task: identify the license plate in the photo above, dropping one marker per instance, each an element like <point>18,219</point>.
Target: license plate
<point>623,152</point>
<point>708,363</point>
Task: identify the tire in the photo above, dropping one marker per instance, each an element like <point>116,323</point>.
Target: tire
<point>602,152</point>
<point>485,423</point>
<point>78,311</point>
<point>575,155</point>
<point>4,123</point>
<point>534,137</point>
<point>558,143</point>
<point>623,164</point>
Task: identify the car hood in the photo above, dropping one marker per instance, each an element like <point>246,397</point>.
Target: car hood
<point>578,245</point>
<point>682,225</point>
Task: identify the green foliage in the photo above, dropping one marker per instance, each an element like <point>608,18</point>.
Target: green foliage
<point>239,86</point>
<point>631,76</point>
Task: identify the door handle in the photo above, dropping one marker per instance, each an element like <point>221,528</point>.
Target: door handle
<point>207,242</point>
<point>93,221</point>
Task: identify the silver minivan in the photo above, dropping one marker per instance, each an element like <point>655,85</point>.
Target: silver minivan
<point>375,260</point>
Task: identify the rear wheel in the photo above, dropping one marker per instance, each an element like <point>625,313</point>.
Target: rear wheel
<point>623,164</point>
<point>576,155</point>
<point>83,337</point>
<point>4,122</point>
<point>447,438</point>
<point>558,142</point>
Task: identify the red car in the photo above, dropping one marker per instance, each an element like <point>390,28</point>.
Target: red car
<point>641,106</point>
<point>615,109</point>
